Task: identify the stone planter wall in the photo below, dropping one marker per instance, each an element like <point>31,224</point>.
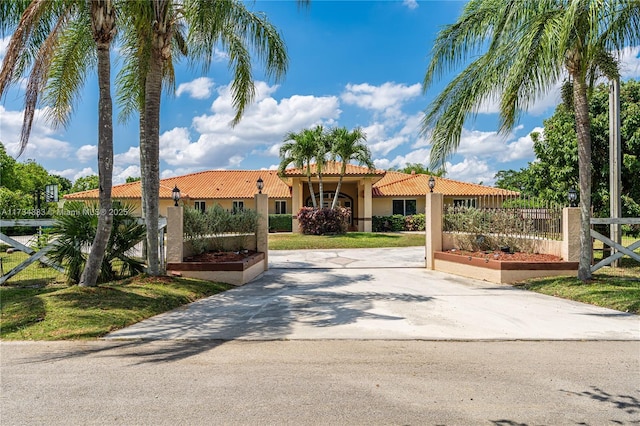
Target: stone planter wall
<point>500,271</point>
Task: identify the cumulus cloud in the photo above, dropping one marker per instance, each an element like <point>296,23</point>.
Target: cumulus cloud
<point>87,153</point>
<point>420,156</point>
<point>218,145</point>
<point>502,148</point>
<point>200,88</point>
<point>629,62</point>
<point>411,4</point>
<point>386,99</point>
<point>4,43</point>
<point>42,142</point>
<point>472,170</point>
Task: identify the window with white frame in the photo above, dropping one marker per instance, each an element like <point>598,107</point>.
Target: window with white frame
<point>200,205</point>
<point>281,207</point>
<point>405,207</point>
<point>238,206</point>
<point>464,202</point>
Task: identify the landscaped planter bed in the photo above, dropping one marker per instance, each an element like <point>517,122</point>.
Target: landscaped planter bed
<point>231,268</point>
<point>490,267</point>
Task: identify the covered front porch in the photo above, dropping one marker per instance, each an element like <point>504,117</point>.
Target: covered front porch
<point>355,193</point>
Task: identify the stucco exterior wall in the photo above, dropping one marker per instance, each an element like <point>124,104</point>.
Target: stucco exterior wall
<point>384,206</point>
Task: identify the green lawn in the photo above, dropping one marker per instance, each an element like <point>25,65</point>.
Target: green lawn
<point>295,241</point>
<point>57,311</point>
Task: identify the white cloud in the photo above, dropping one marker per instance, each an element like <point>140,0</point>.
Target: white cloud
<point>471,170</point>
<point>501,148</point>
<point>629,62</point>
<point>4,43</point>
<point>200,88</point>
<point>42,144</point>
<point>87,171</point>
<point>420,156</point>
<point>386,99</point>
<point>132,156</point>
<point>264,124</point>
<point>411,4</point>
<point>120,174</point>
<point>87,153</point>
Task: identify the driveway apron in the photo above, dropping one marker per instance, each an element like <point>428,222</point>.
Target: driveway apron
<point>381,294</point>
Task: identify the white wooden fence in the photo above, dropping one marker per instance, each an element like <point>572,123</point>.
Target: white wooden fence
<point>618,250</point>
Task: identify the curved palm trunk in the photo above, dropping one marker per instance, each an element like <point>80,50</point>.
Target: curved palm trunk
<point>312,192</point>
<point>150,160</point>
<point>584,167</point>
<point>103,21</point>
<point>343,170</point>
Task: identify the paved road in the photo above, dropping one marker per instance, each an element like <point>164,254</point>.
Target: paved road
<point>341,343</point>
<point>319,383</point>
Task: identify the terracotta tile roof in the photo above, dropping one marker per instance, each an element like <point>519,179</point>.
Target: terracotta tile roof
<point>219,184</point>
<point>396,184</point>
<point>332,169</point>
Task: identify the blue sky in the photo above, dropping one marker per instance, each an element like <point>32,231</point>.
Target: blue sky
<point>352,63</point>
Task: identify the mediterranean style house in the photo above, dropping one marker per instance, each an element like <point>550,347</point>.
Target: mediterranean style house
<point>366,192</point>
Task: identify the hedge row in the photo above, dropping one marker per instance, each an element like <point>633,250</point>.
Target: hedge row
<point>398,222</point>
<point>280,223</point>
<point>324,220</point>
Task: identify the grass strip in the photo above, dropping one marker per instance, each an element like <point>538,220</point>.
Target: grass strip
<point>613,292</point>
<point>295,241</point>
<point>59,312</point>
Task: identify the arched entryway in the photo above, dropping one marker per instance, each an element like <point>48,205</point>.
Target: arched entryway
<point>344,200</point>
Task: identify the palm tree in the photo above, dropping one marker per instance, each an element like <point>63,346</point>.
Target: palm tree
<point>299,151</point>
<point>349,146</point>
<point>322,146</point>
<point>518,50</point>
<point>57,40</point>
<point>158,33</point>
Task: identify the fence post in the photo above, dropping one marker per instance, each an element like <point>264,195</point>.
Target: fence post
<point>433,227</point>
<point>175,237</point>
<point>571,234</point>
<point>262,234</point>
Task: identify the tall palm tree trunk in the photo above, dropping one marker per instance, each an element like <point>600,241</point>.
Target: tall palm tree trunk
<point>584,166</point>
<point>312,192</point>
<point>103,22</point>
<point>151,154</point>
<point>343,170</point>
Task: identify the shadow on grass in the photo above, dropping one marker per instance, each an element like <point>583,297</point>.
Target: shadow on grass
<point>21,307</point>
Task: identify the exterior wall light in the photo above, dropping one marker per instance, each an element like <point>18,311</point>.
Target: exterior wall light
<point>573,198</point>
<point>175,195</point>
<point>432,184</point>
<point>260,185</point>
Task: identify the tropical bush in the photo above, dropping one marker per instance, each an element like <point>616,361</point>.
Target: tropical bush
<point>314,221</point>
<point>206,229</point>
<point>489,229</point>
<point>398,222</point>
<point>280,223</point>
<point>74,230</point>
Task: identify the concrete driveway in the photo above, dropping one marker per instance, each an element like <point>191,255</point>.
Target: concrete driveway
<point>363,297</point>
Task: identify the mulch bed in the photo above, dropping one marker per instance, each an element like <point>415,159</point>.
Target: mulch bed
<point>513,257</point>
<point>220,256</point>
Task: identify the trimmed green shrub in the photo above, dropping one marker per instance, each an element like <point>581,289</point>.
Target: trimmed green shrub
<point>280,223</point>
<point>324,221</point>
<point>206,229</point>
<point>398,222</point>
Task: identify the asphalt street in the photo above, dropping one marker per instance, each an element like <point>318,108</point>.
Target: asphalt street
<point>341,337</point>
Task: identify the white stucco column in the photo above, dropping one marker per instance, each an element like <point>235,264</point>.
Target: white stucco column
<point>433,227</point>
<point>571,234</point>
<point>360,204</point>
<point>368,206</point>
<point>262,234</point>
<point>175,230</point>
<point>296,203</point>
